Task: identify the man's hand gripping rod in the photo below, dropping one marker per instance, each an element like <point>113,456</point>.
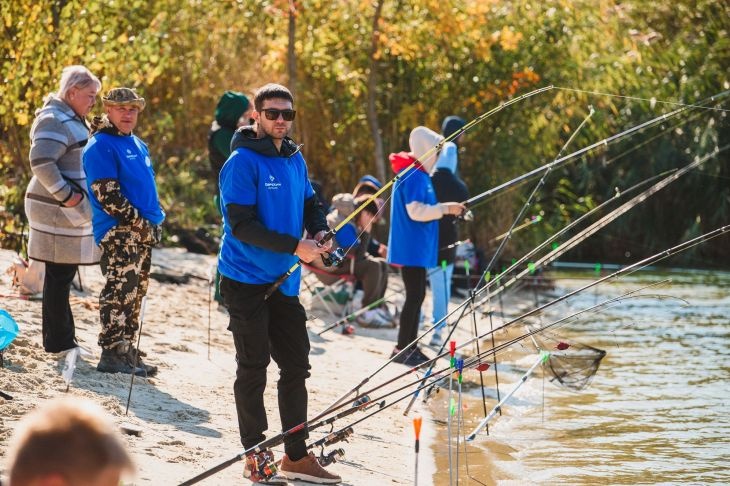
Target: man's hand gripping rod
<point>329,259</point>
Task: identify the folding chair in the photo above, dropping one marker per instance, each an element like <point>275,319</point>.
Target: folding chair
<point>335,297</point>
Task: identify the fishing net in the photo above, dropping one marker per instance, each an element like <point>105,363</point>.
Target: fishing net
<point>571,364</point>
<point>575,366</point>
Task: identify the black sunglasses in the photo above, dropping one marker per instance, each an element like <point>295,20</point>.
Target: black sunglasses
<point>273,114</point>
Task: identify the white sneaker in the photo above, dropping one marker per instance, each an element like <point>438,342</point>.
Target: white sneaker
<point>387,316</point>
<point>372,318</point>
<point>356,304</point>
<point>436,338</point>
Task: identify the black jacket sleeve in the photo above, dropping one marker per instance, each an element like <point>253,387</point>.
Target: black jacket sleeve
<point>314,217</point>
<point>247,228</point>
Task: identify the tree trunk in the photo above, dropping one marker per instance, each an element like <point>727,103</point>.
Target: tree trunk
<point>291,62</point>
<point>291,56</point>
<point>372,92</point>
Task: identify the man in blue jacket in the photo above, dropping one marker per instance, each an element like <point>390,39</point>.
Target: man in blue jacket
<point>126,216</point>
<point>267,203</point>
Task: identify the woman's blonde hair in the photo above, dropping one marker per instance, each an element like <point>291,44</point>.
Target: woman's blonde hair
<point>76,77</point>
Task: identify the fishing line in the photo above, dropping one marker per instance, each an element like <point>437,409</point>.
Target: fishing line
<point>638,265</point>
<point>563,160</point>
<point>508,236</point>
<point>404,172</point>
<point>604,163</point>
<point>469,362</point>
<point>523,259</point>
<point>601,223</point>
<point>652,101</point>
<point>531,197</point>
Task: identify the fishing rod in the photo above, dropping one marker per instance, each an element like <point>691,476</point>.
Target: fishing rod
<point>503,243</point>
<point>604,163</point>
<point>527,314</point>
<point>364,404</point>
<point>601,223</point>
<point>363,400</point>
<point>572,224</point>
<point>498,251</point>
<point>530,198</point>
<point>564,160</point>
<point>542,359</point>
<point>336,256</point>
<point>587,232</point>
<point>581,236</point>
<point>352,316</point>
<point>533,220</point>
<point>664,254</point>
<point>406,349</point>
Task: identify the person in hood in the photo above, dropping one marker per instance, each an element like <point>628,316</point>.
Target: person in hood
<point>56,202</point>
<point>268,202</point>
<point>449,126</point>
<point>233,111</point>
<point>448,187</point>
<point>413,241</point>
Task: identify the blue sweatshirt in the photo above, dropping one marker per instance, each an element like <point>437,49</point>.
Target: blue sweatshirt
<point>277,187</point>
<point>126,159</point>
<point>412,243</point>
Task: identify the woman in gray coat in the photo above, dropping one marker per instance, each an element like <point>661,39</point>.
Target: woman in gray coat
<point>56,202</point>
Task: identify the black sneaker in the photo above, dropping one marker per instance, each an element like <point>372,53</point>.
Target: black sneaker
<point>114,362</point>
<point>412,357</point>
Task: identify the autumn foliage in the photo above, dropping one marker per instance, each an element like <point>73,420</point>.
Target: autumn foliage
<point>424,60</point>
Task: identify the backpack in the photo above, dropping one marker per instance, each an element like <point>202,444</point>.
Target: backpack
<point>28,276</point>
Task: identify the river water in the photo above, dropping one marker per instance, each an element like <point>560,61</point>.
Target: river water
<point>656,412</point>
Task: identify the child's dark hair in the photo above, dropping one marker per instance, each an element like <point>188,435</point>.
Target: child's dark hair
<point>372,207</point>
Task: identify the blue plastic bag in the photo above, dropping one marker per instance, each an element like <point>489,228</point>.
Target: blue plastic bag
<point>8,329</point>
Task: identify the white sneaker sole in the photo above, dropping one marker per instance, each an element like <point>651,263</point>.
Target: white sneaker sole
<point>310,479</point>
<point>278,479</point>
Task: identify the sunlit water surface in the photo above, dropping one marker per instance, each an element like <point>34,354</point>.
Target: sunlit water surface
<point>657,411</point>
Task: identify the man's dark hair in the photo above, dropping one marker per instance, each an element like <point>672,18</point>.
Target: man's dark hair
<point>271,91</point>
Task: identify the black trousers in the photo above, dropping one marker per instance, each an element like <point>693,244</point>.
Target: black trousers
<point>414,280</point>
<point>275,328</point>
<point>59,332</point>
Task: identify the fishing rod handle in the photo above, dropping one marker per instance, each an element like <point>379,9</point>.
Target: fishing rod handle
<point>212,471</point>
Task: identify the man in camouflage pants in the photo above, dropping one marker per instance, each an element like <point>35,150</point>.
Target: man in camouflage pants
<point>127,218</point>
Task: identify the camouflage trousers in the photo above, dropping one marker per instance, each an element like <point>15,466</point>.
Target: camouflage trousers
<point>125,263</point>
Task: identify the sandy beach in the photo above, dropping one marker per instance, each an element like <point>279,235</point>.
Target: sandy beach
<point>186,413</point>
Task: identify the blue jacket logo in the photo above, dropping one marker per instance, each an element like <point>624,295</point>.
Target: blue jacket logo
<point>272,184</point>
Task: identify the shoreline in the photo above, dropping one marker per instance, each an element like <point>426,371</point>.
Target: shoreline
<point>187,414</point>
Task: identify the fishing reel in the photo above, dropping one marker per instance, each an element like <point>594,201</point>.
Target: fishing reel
<point>331,457</point>
<point>467,216</point>
<point>361,401</point>
<point>339,436</point>
<point>264,467</point>
<point>333,258</point>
